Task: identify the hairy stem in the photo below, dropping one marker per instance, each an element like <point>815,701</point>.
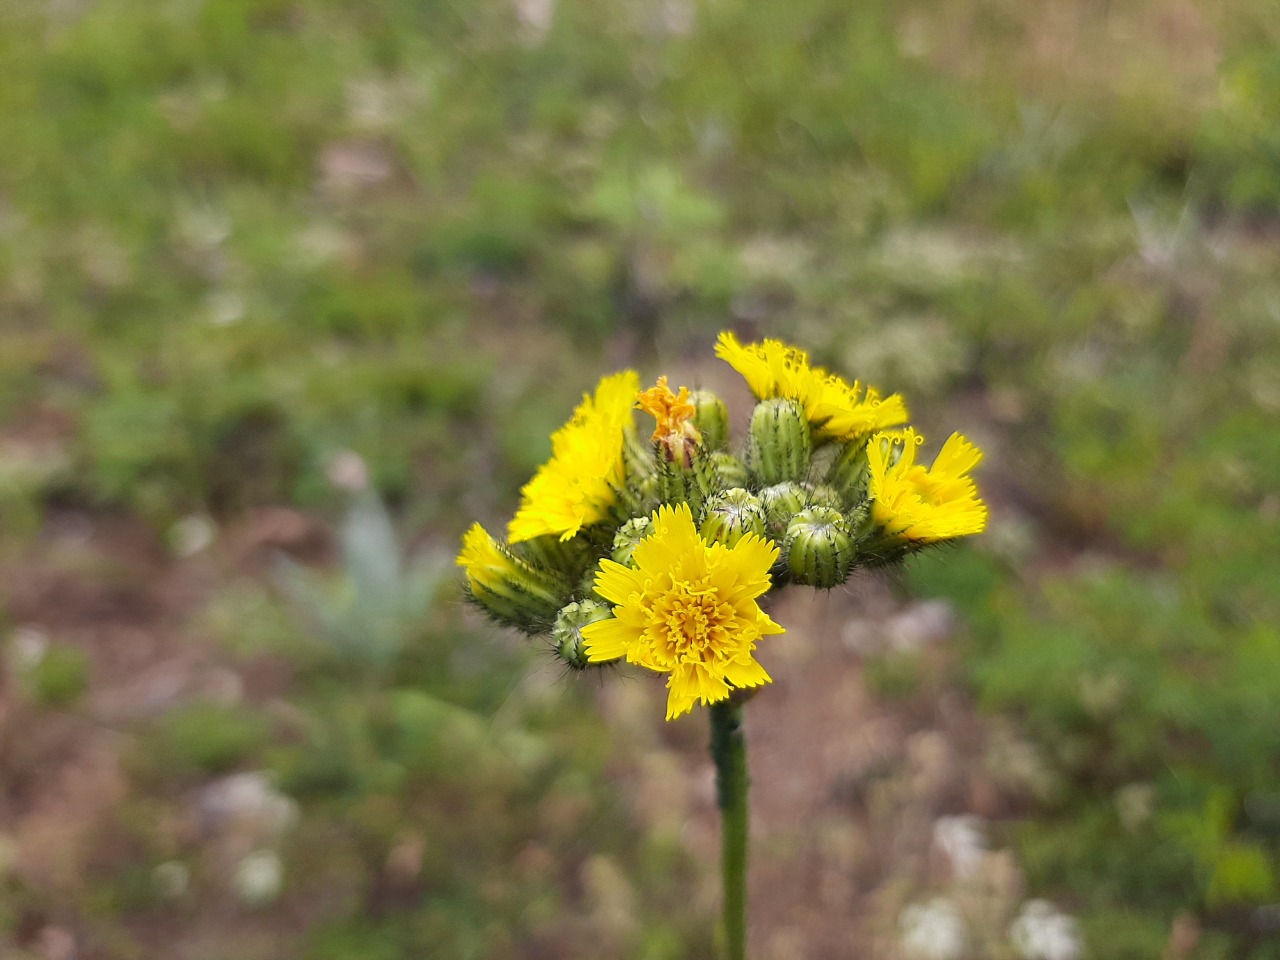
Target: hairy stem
<point>729,750</point>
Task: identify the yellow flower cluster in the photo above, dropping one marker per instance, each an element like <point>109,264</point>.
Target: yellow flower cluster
<point>660,555</point>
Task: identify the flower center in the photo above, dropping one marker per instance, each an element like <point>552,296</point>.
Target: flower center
<point>688,623</point>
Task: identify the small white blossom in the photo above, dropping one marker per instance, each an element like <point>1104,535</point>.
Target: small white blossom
<point>258,878</point>
<point>248,799</point>
<point>535,18</point>
<point>962,840</point>
<point>1042,932</point>
<point>348,471</point>
<point>933,931</point>
<point>27,646</point>
<point>191,535</point>
<point>225,308</point>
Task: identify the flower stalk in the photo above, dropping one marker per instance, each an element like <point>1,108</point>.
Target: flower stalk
<point>729,751</point>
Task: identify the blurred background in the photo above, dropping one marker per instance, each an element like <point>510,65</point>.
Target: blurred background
<point>293,290</point>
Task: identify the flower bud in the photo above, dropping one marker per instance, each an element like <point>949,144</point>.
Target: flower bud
<point>711,417</point>
<point>684,482</point>
<point>568,558</point>
<point>848,472</point>
<point>822,495</point>
<point>566,634</point>
<point>860,523</point>
<point>638,458</point>
<point>510,589</point>
<point>782,501</point>
<point>818,548</point>
<point>727,471</point>
<point>628,536</point>
<point>732,515</point>
<point>780,444</point>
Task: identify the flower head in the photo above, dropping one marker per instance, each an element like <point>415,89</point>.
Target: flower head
<point>513,591</point>
<point>838,410</point>
<point>772,368</point>
<point>914,504</point>
<point>849,411</point>
<point>687,608</point>
<point>579,484</point>
<point>674,431</point>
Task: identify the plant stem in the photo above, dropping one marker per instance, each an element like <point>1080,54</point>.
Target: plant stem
<point>729,750</point>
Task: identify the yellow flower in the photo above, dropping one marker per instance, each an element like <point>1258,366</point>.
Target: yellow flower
<point>579,484</point>
<point>687,608</point>
<point>482,559</point>
<point>846,412</point>
<point>772,368</point>
<point>510,589</point>
<point>837,409</point>
<point>673,413</point>
<point>912,504</point>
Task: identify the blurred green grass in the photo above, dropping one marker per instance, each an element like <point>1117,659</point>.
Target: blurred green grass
<point>238,238</point>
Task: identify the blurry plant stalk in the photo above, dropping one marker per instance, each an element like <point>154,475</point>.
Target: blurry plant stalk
<point>662,552</point>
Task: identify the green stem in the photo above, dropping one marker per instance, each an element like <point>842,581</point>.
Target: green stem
<point>729,750</point>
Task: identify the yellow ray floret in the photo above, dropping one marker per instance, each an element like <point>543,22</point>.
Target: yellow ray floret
<point>486,566</point>
<point>838,410</point>
<point>579,484</point>
<point>914,504</point>
<point>688,609</point>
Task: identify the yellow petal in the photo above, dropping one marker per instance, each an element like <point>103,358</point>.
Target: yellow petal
<point>748,563</point>
<point>682,693</point>
<point>607,640</point>
<point>617,583</point>
<point>747,673</point>
<point>957,456</point>
<point>673,542</point>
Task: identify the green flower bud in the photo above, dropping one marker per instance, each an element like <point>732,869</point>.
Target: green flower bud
<point>513,591</point>
<point>566,634</point>
<point>711,417</point>
<point>628,536</point>
<point>731,516</point>
<point>641,471</point>
<point>860,523</point>
<point>681,482</point>
<point>848,472</point>
<point>781,444</point>
<point>638,458</point>
<point>818,548</point>
<point>728,471</point>
<point>782,501</point>
<point>568,558</point>
<point>822,495</point>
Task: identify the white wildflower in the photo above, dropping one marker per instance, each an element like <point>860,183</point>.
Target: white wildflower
<point>191,535</point>
<point>258,878</point>
<point>248,799</point>
<point>962,840</point>
<point>1042,932</point>
<point>933,931</point>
